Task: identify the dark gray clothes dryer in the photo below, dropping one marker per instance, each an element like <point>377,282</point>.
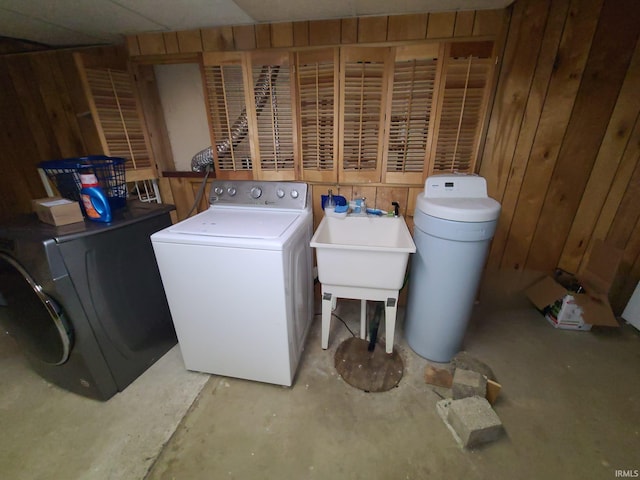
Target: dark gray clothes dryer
<point>85,301</point>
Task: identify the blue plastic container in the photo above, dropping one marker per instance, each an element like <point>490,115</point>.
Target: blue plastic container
<point>338,199</point>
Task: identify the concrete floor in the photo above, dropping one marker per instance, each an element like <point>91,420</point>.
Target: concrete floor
<point>570,406</point>
<point>49,433</point>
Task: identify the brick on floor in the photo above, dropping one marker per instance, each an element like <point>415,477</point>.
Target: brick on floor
<point>474,421</point>
<point>467,383</point>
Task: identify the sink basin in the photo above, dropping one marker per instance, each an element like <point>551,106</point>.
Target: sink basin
<point>365,252</point>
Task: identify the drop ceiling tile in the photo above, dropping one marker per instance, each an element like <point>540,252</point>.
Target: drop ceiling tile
<point>384,7</point>
<point>188,14</point>
<point>93,18</point>
<point>83,22</point>
<point>15,25</point>
<point>294,10</point>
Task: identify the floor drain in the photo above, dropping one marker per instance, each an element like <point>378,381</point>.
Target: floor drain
<point>375,371</point>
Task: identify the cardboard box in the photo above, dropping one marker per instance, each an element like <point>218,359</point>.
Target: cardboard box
<point>57,210</point>
<point>580,311</point>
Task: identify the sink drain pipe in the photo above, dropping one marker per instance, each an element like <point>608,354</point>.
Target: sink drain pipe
<point>375,324</point>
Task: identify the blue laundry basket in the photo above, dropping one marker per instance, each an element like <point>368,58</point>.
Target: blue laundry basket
<point>110,172</point>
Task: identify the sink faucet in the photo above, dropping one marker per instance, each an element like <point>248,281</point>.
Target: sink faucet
<point>396,209</point>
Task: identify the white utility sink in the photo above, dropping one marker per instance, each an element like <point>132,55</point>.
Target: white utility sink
<point>363,258</point>
<point>366,252</point>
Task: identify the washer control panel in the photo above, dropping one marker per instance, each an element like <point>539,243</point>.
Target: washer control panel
<point>288,195</point>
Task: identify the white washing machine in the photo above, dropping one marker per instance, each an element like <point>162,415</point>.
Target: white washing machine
<point>239,282</point>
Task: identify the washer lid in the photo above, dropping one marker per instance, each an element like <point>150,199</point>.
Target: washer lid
<point>237,222</point>
<point>460,209</point>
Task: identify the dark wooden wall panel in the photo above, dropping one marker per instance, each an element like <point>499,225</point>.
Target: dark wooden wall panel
<point>515,95</point>
<point>171,44</point>
<point>565,163</point>
<point>630,272</point>
<point>464,24</point>
<point>16,144</point>
<point>45,112</point>
<point>43,116</point>
<point>282,34</point>
<point>370,29</point>
<point>562,150</point>
<point>558,104</point>
<point>612,217</point>
<point>25,88</point>
<point>624,233</point>
<point>627,214</point>
<point>610,163</point>
<point>57,104</point>
<point>611,50</point>
<point>407,27</point>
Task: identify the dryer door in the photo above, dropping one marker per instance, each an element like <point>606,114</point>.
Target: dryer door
<point>31,316</point>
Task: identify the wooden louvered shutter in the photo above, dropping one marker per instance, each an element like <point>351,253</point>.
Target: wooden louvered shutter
<point>467,73</point>
<point>413,94</point>
<point>114,106</point>
<point>228,109</point>
<point>273,113</point>
<point>317,83</point>
<point>363,82</point>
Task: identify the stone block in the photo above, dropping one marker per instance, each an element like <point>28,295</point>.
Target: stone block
<point>439,374</point>
<point>474,421</point>
<point>466,362</point>
<point>467,383</point>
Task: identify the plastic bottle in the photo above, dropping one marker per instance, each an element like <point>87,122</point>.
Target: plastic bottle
<point>331,203</point>
<point>93,201</point>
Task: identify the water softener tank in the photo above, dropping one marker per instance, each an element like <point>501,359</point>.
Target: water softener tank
<point>454,222</point>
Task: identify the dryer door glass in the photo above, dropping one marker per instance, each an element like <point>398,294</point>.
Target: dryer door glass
<point>30,316</point>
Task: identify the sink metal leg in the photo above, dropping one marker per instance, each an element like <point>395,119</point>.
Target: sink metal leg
<point>328,304</point>
<point>330,295</point>
<point>363,319</point>
<point>391,309</point>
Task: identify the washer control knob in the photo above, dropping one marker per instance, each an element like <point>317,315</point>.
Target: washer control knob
<point>280,193</point>
<point>256,192</point>
<point>294,194</point>
<point>232,191</point>
<point>218,190</point>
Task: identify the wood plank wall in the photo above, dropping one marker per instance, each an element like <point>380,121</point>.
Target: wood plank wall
<point>184,46</point>
<point>468,24</point>
<point>563,146</point>
<point>44,115</point>
<point>563,142</point>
